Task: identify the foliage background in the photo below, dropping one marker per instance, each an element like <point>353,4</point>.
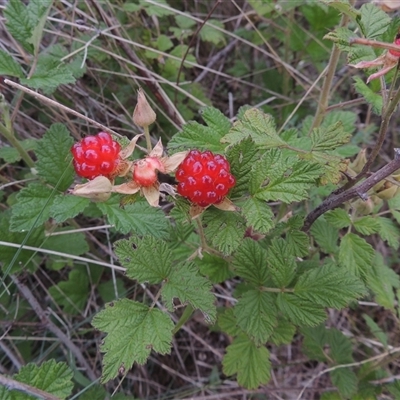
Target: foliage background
<point>268,54</point>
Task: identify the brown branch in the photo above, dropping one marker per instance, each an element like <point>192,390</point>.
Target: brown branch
<point>361,191</point>
<point>52,327</point>
<point>12,384</point>
<point>152,84</point>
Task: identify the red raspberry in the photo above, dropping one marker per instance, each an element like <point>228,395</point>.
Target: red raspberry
<point>204,178</point>
<point>395,52</point>
<point>96,155</point>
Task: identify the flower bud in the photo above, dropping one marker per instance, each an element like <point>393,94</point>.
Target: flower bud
<point>143,115</point>
<point>358,164</point>
<point>98,189</point>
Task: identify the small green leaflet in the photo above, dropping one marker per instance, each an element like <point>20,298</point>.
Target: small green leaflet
<point>356,255</point>
<point>67,206</point>
<point>258,215</point>
<point>224,230</point>
<point>10,154</point>
<point>339,218</point>
<point>345,380</point>
<point>299,311</point>
<point>314,342</point>
<point>344,7</point>
<point>298,242</point>
<point>323,139</point>
<point>54,157</point>
<point>194,135</point>
<point>214,267</point>
<point>372,98</point>
<point>325,235</point>
<point>250,362</point>
<point>242,156</point>
<point>51,377</point>
<point>188,286</point>
<point>71,243</point>
<point>283,333</point>
<point>287,180</point>
<point>281,262</point>
<point>72,294</point>
<point>331,166</point>
<point>227,322</point>
<point>256,315</point>
<point>146,260</point>
<point>139,217</point>
<point>250,262</point>
<point>8,66</point>
<point>376,330</point>
<point>366,225</point>
<point>329,286</point>
<point>389,231</point>
<point>341,347</point>
<point>258,126</point>
<point>42,8</point>
<point>32,207</point>
<point>210,34</point>
<point>374,22</point>
<point>133,330</point>
<point>155,10</point>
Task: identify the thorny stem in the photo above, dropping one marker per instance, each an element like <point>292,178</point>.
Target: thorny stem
<point>361,190</point>
<point>8,132</point>
<point>326,87</point>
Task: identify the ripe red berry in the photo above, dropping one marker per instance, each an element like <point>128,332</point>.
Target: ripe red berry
<point>96,155</point>
<point>204,178</point>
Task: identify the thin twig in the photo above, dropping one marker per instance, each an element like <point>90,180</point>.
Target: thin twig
<point>11,384</point>
<point>52,327</point>
<point>361,191</point>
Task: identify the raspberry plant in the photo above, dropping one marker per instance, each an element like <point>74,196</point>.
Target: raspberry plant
<point>276,220</point>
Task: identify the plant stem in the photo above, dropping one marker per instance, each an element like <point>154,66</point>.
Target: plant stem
<point>326,86</point>
<point>8,132</point>
<point>148,138</point>
<point>183,319</point>
<point>277,290</point>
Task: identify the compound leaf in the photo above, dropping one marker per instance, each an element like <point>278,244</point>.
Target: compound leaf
<point>258,214</point>
<point>281,262</point>
<point>133,330</point>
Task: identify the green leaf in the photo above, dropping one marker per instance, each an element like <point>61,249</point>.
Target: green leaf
<point>54,157</point>
<point>11,154</point>
<point>52,377</point>
<point>382,280</point>
<point>281,262</point>
<point>298,243</point>
<point>389,232</point>
<point>214,267</point>
<point>374,22</point>
<point>331,166</point>
<point>356,255</point>
<point>325,235</point>
<point>67,206</point>
<point>155,10</point>
<point>314,342</point>
<point>256,315</point>
<point>242,157</point>
<point>339,218</point>
<point>210,34</point>
<point>133,330</point>
<point>227,322</point>
<point>224,230</point>
<point>258,214</point>
<point>340,346</point>
<point>49,75</point>
<point>139,218</point>
<point>250,363</point>
<point>345,380</point>
<point>283,333</point>
<point>73,293</point>
<point>287,180</point>
<point>188,286</point>
<point>256,125</point>
<point>366,225</point>
<point>299,311</point>
<point>250,262</point>
<point>329,286</point>
<point>323,139</point>
<point>372,98</point>
<point>38,10</point>
<point>8,66</point>
<point>32,207</point>
<point>71,243</point>
<point>203,137</point>
<point>146,260</point>
<point>344,7</point>
<point>19,23</point>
